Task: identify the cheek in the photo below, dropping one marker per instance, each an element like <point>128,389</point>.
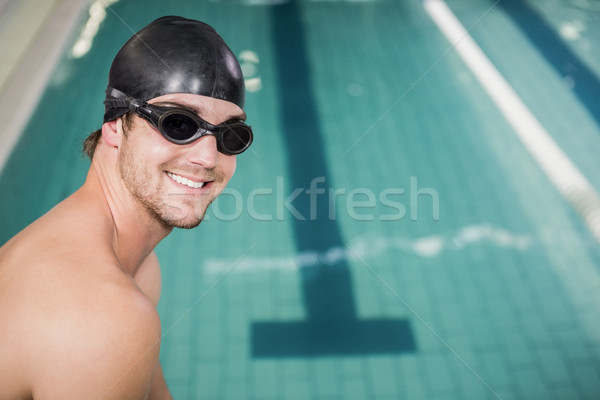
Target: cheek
<point>229,164</point>
<point>152,150</point>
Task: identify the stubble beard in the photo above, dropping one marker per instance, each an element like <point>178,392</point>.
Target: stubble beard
<point>171,210</point>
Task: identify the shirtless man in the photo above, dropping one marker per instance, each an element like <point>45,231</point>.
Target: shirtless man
<point>79,286</point>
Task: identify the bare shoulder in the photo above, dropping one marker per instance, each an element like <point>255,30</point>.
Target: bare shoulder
<point>74,326</point>
<point>106,346</point>
<point>76,331</point>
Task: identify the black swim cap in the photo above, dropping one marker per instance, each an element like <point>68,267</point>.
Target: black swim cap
<point>175,55</point>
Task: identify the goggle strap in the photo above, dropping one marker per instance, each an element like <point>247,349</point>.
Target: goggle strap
<point>118,100</point>
<point>116,103</point>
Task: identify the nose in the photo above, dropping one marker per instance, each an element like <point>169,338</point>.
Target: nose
<point>204,152</point>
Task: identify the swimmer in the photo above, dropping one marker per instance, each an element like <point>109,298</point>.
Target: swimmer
<point>79,286</point>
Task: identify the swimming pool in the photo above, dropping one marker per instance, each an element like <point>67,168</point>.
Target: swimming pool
<point>388,235</point>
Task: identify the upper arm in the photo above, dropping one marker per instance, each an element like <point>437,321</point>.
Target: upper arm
<point>108,354</point>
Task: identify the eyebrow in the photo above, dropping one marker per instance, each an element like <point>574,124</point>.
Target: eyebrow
<point>198,110</point>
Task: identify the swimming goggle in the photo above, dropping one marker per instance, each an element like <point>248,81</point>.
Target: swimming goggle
<point>181,126</point>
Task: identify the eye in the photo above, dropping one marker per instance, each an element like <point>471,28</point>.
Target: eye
<point>179,126</point>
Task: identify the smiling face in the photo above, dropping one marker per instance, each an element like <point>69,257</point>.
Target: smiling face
<point>177,183</point>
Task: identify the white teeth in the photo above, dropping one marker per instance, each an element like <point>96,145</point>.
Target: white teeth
<point>185,181</point>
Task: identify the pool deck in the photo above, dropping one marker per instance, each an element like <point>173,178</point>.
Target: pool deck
<point>32,36</point>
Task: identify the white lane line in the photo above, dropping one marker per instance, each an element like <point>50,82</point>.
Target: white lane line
<point>558,167</point>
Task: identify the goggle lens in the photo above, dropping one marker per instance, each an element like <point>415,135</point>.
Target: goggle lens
<point>235,138</point>
<point>179,126</point>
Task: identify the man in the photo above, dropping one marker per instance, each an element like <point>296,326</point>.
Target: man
<point>79,286</point>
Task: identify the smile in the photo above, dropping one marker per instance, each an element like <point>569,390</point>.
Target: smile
<point>185,181</point>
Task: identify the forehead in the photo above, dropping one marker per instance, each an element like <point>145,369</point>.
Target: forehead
<point>203,105</point>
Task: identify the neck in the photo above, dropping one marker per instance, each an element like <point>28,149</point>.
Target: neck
<point>133,231</point>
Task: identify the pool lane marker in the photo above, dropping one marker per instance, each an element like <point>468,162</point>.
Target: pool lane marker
<point>561,171</point>
<point>332,325</point>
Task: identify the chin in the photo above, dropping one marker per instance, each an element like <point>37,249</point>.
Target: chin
<point>185,214</point>
<point>186,224</point>
<point>178,217</point>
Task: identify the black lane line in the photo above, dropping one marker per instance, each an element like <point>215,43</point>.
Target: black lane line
<point>331,326</point>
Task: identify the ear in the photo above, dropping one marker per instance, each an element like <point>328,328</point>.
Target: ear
<point>112,132</point>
